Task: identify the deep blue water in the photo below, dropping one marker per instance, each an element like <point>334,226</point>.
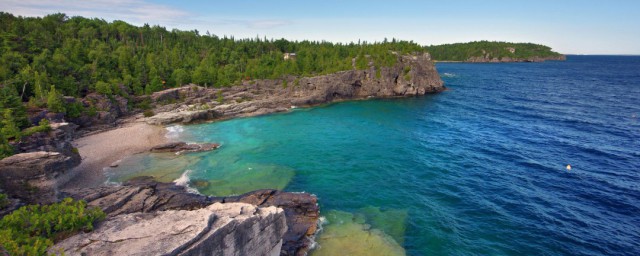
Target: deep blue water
<point>477,170</point>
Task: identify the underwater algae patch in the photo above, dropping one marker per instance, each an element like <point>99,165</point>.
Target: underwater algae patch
<point>392,222</point>
<point>349,234</point>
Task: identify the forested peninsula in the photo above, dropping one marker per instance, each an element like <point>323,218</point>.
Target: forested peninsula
<point>487,51</point>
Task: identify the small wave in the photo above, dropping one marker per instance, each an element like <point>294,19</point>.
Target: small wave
<point>174,132</point>
<point>448,74</point>
<point>184,180</point>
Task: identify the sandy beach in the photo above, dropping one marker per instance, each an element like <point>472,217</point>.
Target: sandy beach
<point>103,149</point>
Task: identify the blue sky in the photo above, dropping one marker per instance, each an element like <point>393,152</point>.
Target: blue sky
<point>568,26</point>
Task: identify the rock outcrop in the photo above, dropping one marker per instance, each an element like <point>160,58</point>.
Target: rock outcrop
<point>412,75</point>
<point>301,210</point>
<point>145,195</point>
<point>218,229</point>
<point>141,194</point>
<point>183,147</point>
<point>35,177</point>
<point>57,140</point>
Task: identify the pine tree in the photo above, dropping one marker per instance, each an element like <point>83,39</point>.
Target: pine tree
<point>5,148</point>
<point>54,101</point>
<point>9,127</point>
<point>9,99</point>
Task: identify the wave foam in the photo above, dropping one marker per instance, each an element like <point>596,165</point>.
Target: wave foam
<point>174,131</point>
<point>184,180</point>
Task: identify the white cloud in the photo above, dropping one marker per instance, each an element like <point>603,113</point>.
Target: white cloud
<point>133,11</point>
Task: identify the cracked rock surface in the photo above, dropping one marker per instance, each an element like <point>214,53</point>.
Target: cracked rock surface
<point>218,229</point>
<point>144,195</point>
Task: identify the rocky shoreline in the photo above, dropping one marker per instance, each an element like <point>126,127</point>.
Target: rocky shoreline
<point>489,59</point>
<point>412,75</point>
<point>158,203</point>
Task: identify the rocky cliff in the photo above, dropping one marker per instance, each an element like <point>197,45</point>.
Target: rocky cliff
<point>143,195</point>
<point>218,229</point>
<point>412,75</point>
<point>36,176</point>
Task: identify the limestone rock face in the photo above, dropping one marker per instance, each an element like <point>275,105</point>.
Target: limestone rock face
<point>139,195</point>
<point>57,140</point>
<point>35,177</point>
<point>412,75</point>
<point>219,229</point>
<point>182,117</point>
<point>145,195</point>
<point>301,210</point>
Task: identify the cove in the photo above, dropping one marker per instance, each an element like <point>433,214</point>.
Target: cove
<point>479,169</point>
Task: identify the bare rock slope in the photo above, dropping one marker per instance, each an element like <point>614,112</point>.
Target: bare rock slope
<point>143,195</point>
<point>218,229</point>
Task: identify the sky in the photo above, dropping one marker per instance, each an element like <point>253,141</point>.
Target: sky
<point>568,26</point>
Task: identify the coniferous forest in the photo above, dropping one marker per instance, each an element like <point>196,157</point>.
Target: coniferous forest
<point>464,51</point>
<point>43,59</point>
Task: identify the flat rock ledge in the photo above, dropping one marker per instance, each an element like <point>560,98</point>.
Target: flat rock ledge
<point>218,229</point>
<point>183,147</point>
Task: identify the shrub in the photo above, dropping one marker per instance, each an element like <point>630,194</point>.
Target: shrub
<point>54,101</point>
<point>4,201</point>
<point>6,149</point>
<point>148,113</point>
<point>220,98</point>
<point>74,109</point>
<point>104,88</point>
<point>43,126</point>
<point>31,229</point>
<point>406,69</point>
<point>92,111</point>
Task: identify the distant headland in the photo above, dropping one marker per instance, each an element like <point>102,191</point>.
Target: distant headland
<point>486,51</point>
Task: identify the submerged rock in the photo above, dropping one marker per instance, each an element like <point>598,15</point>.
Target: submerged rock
<point>218,229</point>
<point>235,180</point>
<point>392,222</point>
<point>346,234</point>
<point>162,167</point>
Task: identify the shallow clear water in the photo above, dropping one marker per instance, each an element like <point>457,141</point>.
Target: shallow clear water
<point>476,170</point>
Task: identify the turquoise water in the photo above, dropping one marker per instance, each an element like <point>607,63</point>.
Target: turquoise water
<point>476,170</point>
